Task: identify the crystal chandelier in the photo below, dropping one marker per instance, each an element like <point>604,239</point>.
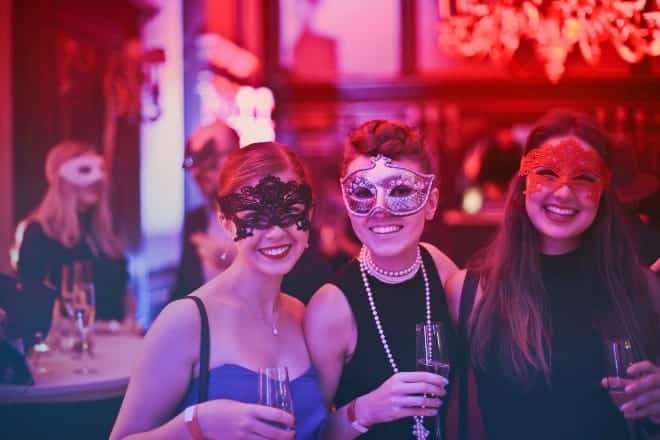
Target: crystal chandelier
<point>495,28</point>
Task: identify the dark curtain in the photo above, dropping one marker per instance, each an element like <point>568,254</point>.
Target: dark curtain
<point>34,99</point>
<point>61,50</point>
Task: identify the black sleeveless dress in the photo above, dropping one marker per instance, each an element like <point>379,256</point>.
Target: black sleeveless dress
<point>400,307</point>
<point>573,406</point>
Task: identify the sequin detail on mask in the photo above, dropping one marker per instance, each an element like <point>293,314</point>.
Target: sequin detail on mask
<point>404,191</point>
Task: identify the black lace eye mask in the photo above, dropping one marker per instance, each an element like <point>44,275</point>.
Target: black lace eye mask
<point>270,203</point>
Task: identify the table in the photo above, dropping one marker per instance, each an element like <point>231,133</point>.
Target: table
<point>63,404</point>
<point>114,355</point>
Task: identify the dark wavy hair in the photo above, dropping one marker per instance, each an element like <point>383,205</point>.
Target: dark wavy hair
<point>515,305</point>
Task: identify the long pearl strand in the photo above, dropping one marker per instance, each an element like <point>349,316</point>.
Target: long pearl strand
<point>418,428</point>
<point>390,276</point>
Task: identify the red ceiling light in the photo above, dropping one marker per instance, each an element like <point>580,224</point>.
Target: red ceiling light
<point>495,28</point>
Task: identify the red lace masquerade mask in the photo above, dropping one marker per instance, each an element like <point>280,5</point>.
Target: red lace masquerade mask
<point>565,163</point>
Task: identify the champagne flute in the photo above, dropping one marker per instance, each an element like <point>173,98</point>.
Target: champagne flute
<point>66,326</point>
<point>432,353</point>
<point>275,391</point>
<point>84,309</point>
<point>432,356</point>
<point>620,355</point>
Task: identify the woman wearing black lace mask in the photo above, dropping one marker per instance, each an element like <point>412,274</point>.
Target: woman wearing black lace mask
<point>265,202</point>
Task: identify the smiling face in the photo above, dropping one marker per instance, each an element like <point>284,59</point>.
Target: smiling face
<point>270,220</point>
<point>388,203</point>
<point>565,180</point>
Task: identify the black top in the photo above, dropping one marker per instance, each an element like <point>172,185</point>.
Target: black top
<point>400,307</point>
<point>573,406</point>
<point>41,259</point>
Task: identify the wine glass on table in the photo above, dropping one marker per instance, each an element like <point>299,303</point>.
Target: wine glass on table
<point>620,356</point>
<point>432,356</point>
<point>39,349</point>
<point>275,391</point>
<point>84,310</point>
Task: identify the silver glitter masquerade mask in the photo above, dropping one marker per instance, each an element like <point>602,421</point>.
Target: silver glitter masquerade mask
<point>387,187</point>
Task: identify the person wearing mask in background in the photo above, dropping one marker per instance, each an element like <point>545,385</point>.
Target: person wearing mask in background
<point>207,248</point>
<point>73,222</point>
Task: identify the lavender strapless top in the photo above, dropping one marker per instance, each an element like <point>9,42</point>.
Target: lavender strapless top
<point>234,382</point>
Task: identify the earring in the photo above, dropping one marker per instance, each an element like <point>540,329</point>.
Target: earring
<point>307,245</point>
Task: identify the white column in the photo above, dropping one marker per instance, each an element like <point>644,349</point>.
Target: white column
<point>161,155</point>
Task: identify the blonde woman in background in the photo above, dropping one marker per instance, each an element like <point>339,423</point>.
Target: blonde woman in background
<point>73,222</point>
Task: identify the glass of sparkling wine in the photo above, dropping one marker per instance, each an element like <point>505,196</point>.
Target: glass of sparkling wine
<point>84,310</point>
<point>620,355</point>
<point>275,391</point>
<point>66,325</point>
<point>432,355</point>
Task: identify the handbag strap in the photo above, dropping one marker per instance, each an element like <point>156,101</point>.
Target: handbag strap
<point>468,295</point>
<point>203,391</point>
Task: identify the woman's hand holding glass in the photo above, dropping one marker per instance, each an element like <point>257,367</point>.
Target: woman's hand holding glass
<point>634,385</point>
<point>230,419</point>
<point>643,390</point>
<point>404,394</point>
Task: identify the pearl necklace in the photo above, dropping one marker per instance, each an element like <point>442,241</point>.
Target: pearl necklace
<point>390,276</point>
<point>419,431</point>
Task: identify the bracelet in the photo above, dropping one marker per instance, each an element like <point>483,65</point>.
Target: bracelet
<point>352,419</point>
<point>192,424</point>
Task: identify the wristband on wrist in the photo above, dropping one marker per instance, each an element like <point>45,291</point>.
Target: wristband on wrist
<point>352,419</point>
<point>192,423</point>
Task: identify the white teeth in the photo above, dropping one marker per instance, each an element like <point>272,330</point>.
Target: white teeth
<point>275,251</point>
<point>385,229</point>
<point>560,211</point>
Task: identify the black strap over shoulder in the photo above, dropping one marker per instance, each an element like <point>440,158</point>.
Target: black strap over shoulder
<point>468,295</point>
<point>205,342</point>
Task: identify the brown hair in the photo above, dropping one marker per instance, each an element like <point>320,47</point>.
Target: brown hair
<point>58,211</point>
<point>389,138</point>
<point>515,306</point>
<point>258,160</point>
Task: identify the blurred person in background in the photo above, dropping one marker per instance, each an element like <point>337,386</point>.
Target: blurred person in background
<point>494,161</point>
<point>73,222</point>
<point>207,248</point>
<point>208,347</point>
<point>633,186</point>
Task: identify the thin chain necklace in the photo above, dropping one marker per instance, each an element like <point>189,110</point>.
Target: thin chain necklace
<point>419,431</point>
<point>276,316</point>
